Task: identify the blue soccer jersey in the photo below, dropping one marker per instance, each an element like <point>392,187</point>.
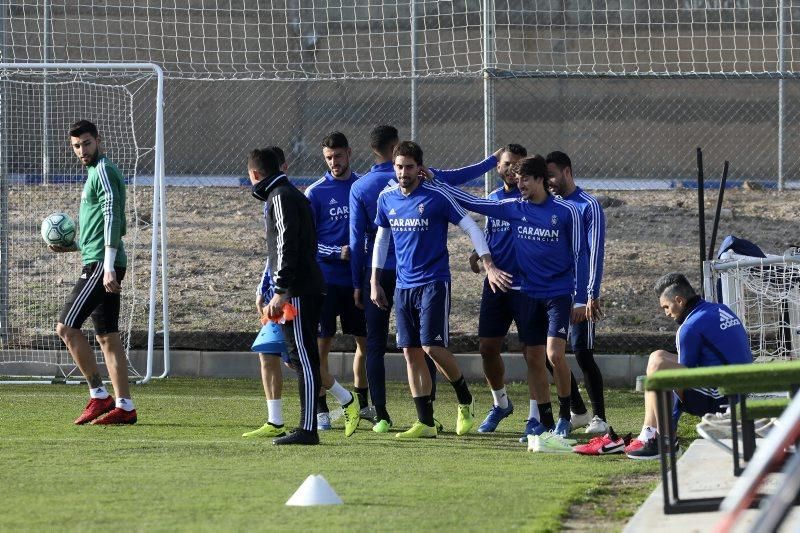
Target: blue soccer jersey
<point>594,224</point>
<point>418,223</point>
<point>548,239</point>
<point>364,202</point>
<point>330,198</point>
<point>500,238</point>
<point>712,335</point>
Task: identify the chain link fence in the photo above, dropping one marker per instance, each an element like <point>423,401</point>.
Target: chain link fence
<point>238,81</point>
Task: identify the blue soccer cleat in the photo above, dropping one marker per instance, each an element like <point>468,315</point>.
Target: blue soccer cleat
<point>496,414</point>
<point>532,427</point>
<point>563,428</point>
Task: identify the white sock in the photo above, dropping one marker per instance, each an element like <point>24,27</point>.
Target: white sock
<point>342,395</point>
<point>275,412</point>
<point>500,398</point>
<point>533,410</point>
<point>125,404</point>
<point>647,433</point>
<point>99,393</point>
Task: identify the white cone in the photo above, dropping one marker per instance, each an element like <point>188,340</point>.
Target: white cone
<point>315,490</point>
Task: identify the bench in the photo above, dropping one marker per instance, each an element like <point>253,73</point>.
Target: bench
<point>733,381</point>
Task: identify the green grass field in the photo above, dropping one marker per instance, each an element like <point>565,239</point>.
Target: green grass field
<point>184,466</point>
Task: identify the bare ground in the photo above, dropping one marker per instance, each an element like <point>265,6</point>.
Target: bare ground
<point>216,254</point>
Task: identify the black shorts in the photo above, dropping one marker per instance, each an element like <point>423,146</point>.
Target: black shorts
<point>89,298</point>
<point>339,302</point>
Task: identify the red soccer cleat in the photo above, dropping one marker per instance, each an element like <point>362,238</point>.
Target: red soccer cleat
<point>95,408</point>
<point>607,444</point>
<point>634,445</point>
<point>117,416</point>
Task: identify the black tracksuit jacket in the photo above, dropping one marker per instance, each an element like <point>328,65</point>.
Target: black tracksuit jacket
<point>291,240</point>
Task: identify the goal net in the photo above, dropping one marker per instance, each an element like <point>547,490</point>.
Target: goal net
<point>765,294</point>
<point>40,175</point>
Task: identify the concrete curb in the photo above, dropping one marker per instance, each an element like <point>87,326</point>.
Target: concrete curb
<point>619,370</point>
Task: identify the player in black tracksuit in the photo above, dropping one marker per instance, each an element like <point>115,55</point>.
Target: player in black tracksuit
<point>291,249</point>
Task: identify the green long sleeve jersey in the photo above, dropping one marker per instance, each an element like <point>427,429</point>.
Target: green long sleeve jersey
<point>102,214</point>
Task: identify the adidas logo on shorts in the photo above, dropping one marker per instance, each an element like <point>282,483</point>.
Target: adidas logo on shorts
<point>562,330</point>
<point>438,338</point>
<point>727,320</point>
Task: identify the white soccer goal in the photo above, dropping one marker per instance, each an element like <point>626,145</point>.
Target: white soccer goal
<point>765,294</point>
<point>39,174</point>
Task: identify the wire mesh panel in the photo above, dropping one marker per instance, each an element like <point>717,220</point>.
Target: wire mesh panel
<point>765,295</point>
<point>324,39</point>
<point>41,175</point>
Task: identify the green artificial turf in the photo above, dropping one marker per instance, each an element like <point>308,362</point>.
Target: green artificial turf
<point>185,466</point>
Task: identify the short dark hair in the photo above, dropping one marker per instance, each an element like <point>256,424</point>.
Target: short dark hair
<point>559,159</point>
<point>516,149</point>
<point>531,166</point>
<point>383,137</point>
<point>265,161</point>
<point>279,152</point>
<point>81,127</point>
<point>408,149</point>
<point>335,139</point>
<point>674,284</point>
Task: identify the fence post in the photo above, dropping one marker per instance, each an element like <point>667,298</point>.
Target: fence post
<point>781,66</point>
<point>414,70</point>
<point>4,233</point>
<point>488,86</point>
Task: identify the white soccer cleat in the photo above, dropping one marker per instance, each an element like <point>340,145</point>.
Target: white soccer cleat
<point>597,426</point>
<point>578,421</point>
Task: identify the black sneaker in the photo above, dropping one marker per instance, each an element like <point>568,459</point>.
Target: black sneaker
<point>650,451</point>
<point>298,436</point>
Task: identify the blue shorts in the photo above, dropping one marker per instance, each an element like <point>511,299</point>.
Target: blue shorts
<point>423,315</point>
<point>698,402</point>
<point>581,336</point>
<point>339,302</point>
<point>498,309</point>
<point>543,318</point>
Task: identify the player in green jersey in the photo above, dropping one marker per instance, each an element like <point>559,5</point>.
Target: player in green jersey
<point>101,225</point>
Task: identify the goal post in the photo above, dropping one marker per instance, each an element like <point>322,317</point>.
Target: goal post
<point>765,294</point>
<point>39,175</point>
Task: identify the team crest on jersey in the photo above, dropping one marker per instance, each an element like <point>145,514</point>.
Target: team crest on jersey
<point>421,208</point>
<point>554,220</point>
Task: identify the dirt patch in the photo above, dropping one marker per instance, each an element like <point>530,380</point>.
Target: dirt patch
<point>608,508</point>
<point>216,254</point>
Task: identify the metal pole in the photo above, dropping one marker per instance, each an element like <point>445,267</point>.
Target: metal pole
<point>781,67</point>
<point>45,135</point>
<point>488,87</point>
<point>162,195</point>
<point>413,70</point>
<point>701,213</point>
<point>4,233</point>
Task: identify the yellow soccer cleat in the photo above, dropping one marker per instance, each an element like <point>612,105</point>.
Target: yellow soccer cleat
<point>351,416</point>
<point>466,418</point>
<point>382,426</point>
<point>418,431</point>
<point>267,430</point>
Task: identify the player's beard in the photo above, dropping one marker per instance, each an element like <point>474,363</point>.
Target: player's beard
<point>341,172</point>
<point>407,183</point>
<point>92,159</point>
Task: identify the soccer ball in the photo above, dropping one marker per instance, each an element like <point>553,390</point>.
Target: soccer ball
<point>58,229</point>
